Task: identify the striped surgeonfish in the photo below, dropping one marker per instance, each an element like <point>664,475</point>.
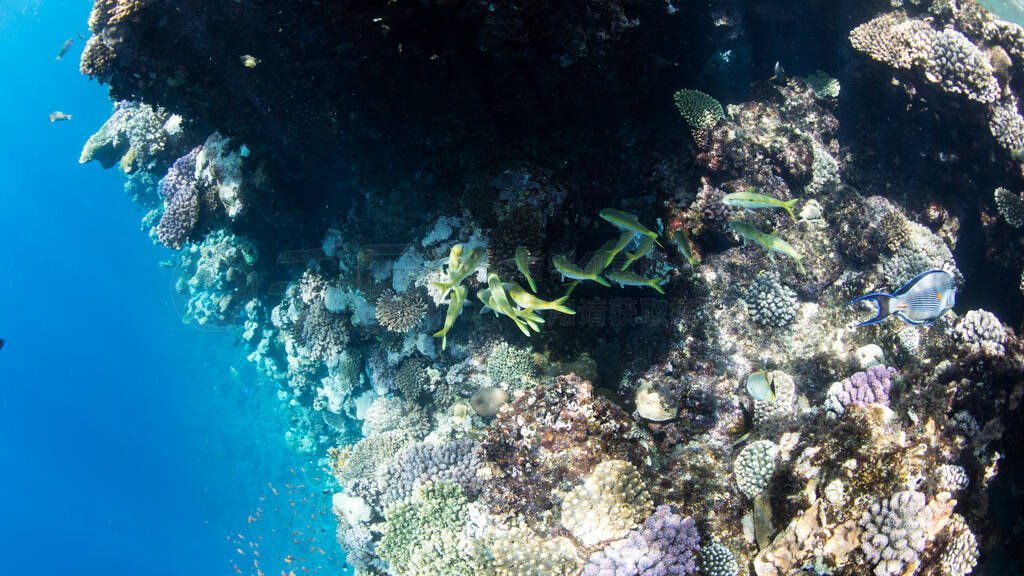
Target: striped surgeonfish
<point>919,302</point>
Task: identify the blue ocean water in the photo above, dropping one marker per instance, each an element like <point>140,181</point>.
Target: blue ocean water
<point>130,442</point>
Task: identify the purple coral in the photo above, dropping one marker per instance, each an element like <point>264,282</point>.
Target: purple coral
<point>860,389</point>
<point>666,544</point>
<point>180,189</point>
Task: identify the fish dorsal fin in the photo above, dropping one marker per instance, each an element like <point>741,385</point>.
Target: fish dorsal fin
<point>910,284</point>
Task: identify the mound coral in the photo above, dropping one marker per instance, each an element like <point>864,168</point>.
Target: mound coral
<point>754,466</point>
<point>770,302</point>
<point>607,505</point>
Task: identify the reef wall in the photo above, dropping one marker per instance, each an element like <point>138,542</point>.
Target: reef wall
<point>346,184</point>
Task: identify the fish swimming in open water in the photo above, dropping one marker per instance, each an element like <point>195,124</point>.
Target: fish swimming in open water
<point>58,116</point>
<point>64,49</point>
<point>626,221</point>
<point>919,302</point>
<point>755,200</point>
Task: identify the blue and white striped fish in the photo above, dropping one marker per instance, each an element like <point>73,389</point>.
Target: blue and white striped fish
<point>919,302</point>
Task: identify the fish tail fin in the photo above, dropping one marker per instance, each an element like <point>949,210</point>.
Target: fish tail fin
<point>572,286</point>
<point>789,207</point>
<point>597,278</point>
<point>884,308</point>
<point>533,285</point>
<point>800,266</point>
<point>559,305</point>
<point>656,284</point>
<point>658,244</point>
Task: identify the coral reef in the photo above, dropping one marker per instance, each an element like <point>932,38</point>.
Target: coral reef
<point>717,560</point>
<point>386,161</point>
<point>1010,205</point>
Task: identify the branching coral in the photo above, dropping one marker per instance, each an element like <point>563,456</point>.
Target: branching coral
<point>370,453</point>
<point>420,533</point>
<point>664,545</point>
<point>700,110</point>
<point>894,532</point>
<point>946,58</point>
<point>870,386</point>
<point>980,332</point>
<point>961,551</point>
<point>607,505</point>
<point>511,366</point>
<point>400,313</point>
<point>453,462</point>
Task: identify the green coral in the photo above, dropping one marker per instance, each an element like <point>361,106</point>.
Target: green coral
<point>512,366</point>
<point>824,86</point>
<point>421,533</point>
<point>700,110</point>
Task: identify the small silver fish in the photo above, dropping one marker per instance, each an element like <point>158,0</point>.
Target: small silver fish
<point>761,387</point>
<point>58,116</point>
<point>919,302</point>
<point>64,49</point>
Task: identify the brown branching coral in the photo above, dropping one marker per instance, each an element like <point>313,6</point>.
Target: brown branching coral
<point>400,312</point>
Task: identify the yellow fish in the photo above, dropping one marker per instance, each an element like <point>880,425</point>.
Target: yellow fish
<point>531,302</point>
<point>523,263</point>
<point>646,244</point>
<point>626,221</point>
<point>454,309</point>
